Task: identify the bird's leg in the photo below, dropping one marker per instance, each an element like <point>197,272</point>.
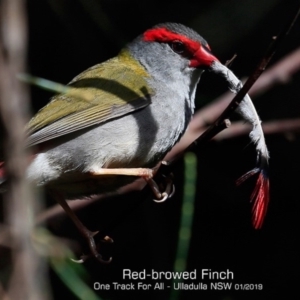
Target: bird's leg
<point>146,174</point>
<point>139,172</point>
<point>89,235</point>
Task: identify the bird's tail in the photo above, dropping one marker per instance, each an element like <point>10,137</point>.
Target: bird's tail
<point>260,195</point>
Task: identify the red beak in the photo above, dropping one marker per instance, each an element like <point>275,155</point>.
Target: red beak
<point>202,58</point>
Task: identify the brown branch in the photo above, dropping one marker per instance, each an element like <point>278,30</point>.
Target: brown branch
<point>280,73</point>
<point>274,127</point>
<point>25,281</point>
<point>188,140</point>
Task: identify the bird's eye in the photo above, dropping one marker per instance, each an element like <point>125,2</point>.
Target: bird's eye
<point>178,47</point>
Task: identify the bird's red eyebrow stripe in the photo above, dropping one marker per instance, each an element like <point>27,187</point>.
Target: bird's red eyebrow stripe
<point>163,35</point>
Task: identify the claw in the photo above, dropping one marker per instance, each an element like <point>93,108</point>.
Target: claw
<point>103,261</point>
<point>89,235</point>
<point>81,260</point>
<point>168,193</point>
<point>107,239</point>
<point>154,187</point>
<point>84,258</point>
<point>172,191</point>
<point>94,253</point>
<point>170,188</point>
<point>165,196</point>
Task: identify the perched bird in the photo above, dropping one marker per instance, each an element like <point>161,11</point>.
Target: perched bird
<point>119,118</point>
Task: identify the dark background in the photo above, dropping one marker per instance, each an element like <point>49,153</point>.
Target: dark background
<point>68,36</point>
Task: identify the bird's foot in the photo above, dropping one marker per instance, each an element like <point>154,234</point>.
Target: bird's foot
<point>94,252</point>
<point>147,175</point>
<point>167,187</point>
<point>87,234</point>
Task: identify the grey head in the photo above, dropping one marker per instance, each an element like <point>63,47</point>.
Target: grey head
<point>170,51</point>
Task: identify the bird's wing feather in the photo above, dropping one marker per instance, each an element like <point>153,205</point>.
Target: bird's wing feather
<point>101,93</point>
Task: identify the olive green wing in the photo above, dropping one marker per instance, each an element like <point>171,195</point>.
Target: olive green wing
<point>101,93</point>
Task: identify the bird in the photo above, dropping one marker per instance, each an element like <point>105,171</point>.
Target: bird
<point>118,119</point>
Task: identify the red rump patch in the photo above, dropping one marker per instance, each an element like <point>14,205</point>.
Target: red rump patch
<point>199,56</point>
<point>260,196</point>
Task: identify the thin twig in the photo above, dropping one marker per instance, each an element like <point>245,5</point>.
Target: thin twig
<point>216,130</point>
<point>272,127</point>
<point>229,62</point>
